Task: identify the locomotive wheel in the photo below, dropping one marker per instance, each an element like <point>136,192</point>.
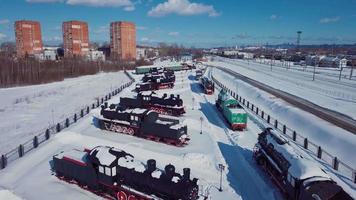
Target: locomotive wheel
<point>132,197</point>
<point>121,196</point>
<point>124,130</point>
<point>130,131</point>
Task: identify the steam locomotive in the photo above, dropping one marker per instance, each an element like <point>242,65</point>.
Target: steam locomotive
<point>198,74</point>
<point>156,80</point>
<point>114,174</point>
<point>297,177</point>
<point>169,105</point>
<point>207,85</point>
<point>143,123</point>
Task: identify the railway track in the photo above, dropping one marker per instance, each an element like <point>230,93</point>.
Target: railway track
<point>333,117</point>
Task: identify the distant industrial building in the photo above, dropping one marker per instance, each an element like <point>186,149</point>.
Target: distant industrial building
<point>75,38</point>
<point>28,38</point>
<point>123,40</point>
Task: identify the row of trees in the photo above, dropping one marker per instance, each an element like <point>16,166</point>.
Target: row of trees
<point>17,72</point>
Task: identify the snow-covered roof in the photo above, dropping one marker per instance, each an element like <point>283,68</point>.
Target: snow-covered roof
<point>103,155</point>
<point>74,154</point>
<point>300,167</point>
<point>138,111</point>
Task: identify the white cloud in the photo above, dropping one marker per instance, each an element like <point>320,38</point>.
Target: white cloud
<point>44,1</point>
<point>141,28</point>
<point>328,20</point>
<point>102,29</point>
<point>4,21</point>
<point>128,5</point>
<point>145,39</point>
<point>173,34</point>
<point>2,36</point>
<point>182,7</point>
<point>273,17</point>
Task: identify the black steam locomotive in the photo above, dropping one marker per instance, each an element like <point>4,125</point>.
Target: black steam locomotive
<point>169,105</point>
<point>198,74</point>
<point>156,80</point>
<point>207,85</point>
<point>297,177</point>
<point>143,123</point>
<point>114,174</point>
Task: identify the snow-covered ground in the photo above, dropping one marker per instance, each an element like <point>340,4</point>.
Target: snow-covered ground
<point>25,111</point>
<point>329,92</point>
<point>202,155</point>
<point>242,179</point>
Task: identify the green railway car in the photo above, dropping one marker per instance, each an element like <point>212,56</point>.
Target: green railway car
<point>232,111</point>
<point>144,69</point>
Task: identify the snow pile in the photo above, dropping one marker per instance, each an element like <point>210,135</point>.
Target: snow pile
<point>8,195</point>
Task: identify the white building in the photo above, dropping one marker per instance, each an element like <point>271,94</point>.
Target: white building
<point>95,55</point>
<point>140,53</point>
<point>143,52</point>
<point>332,62</point>
<point>230,52</point>
<point>247,55</point>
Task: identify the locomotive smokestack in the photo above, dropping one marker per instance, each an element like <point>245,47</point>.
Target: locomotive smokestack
<point>178,96</point>
<point>106,105</point>
<point>164,95</point>
<point>172,96</point>
<point>170,171</point>
<point>151,165</point>
<point>186,174</point>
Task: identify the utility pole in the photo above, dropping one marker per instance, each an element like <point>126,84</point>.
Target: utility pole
<point>201,124</point>
<point>314,73</point>
<point>352,69</point>
<point>222,168</point>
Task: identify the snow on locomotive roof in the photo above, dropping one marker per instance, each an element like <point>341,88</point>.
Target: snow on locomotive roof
<point>300,167</point>
<point>130,163</point>
<point>146,93</point>
<point>238,110</point>
<point>138,111</point>
<point>103,155</point>
<point>73,154</point>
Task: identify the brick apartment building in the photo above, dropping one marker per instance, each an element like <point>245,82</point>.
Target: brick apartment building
<point>75,38</point>
<point>123,40</point>
<point>28,38</point>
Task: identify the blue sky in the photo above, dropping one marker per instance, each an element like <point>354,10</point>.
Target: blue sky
<point>200,23</point>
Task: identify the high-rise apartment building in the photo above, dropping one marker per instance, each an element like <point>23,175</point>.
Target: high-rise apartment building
<point>123,40</point>
<point>28,38</point>
<point>75,38</point>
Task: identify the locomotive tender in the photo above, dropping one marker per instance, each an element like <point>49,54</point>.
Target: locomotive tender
<point>298,177</point>
<point>207,85</point>
<point>169,105</point>
<point>232,111</point>
<point>114,174</point>
<point>143,123</point>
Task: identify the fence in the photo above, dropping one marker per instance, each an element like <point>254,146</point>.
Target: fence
<point>45,135</point>
<point>303,142</point>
